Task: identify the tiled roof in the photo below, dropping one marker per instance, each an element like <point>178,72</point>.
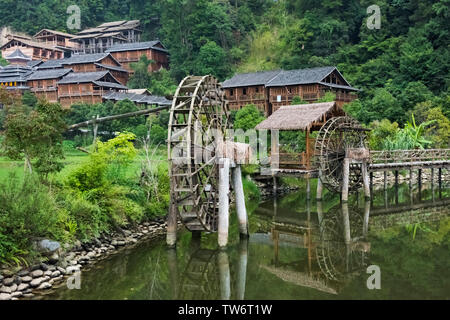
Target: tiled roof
<point>300,76</point>
<point>17,54</point>
<point>136,46</point>
<point>250,79</point>
<point>138,98</point>
<point>51,64</point>
<point>80,77</point>
<point>281,78</point>
<point>85,58</point>
<point>49,74</point>
<point>110,85</point>
<point>115,68</point>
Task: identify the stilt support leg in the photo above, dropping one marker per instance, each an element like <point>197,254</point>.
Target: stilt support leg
<point>240,201</point>
<point>224,185</point>
<point>345,181</point>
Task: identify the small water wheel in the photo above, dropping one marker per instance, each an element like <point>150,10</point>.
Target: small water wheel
<point>198,109</point>
<point>335,137</point>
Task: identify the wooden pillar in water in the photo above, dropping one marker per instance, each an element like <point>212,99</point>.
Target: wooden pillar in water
<point>308,188</point>
<point>173,271</point>
<point>345,182</point>
<point>366,218</point>
<point>224,275</point>
<point>440,182</point>
<point>396,178</point>
<point>385,180</point>
<point>224,185</point>
<point>242,268</point>
<point>365,176</point>
<point>319,187</point>
<point>371,181</point>
<point>240,200</point>
<point>171,236</point>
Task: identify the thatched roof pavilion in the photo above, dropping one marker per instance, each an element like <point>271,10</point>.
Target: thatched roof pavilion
<point>303,117</point>
<point>300,117</point>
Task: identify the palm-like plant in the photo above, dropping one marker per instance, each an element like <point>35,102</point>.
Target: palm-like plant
<point>410,137</point>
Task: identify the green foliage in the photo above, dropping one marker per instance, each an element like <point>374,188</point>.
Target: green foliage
<point>297,100</point>
<point>328,97</point>
<point>29,99</point>
<point>35,134</point>
<point>162,83</point>
<point>248,117</point>
<point>28,211</point>
<point>251,191</point>
<point>380,132</point>
<point>141,77</point>
<point>410,137</point>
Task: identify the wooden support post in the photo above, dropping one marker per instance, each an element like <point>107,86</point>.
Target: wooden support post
<point>242,268</point>
<point>366,218</point>
<point>419,178</point>
<point>440,182</point>
<point>275,187</point>
<point>385,179</point>
<point>171,237</point>
<point>240,200</point>
<point>224,186</point>
<point>371,181</point>
<point>319,187</point>
<point>224,275</point>
<point>410,178</point>
<point>432,184</point>
<point>396,178</point>
<point>345,180</point>
<point>347,233</point>
<point>367,184</point>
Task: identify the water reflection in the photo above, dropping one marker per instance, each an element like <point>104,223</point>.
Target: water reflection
<point>298,249</point>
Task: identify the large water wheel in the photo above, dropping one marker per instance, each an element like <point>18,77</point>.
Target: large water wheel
<point>335,137</point>
<point>198,111</point>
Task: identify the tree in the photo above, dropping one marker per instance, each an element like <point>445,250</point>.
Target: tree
<point>212,59</point>
<point>248,117</point>
<point>36,134</point>
<point>141,77</point>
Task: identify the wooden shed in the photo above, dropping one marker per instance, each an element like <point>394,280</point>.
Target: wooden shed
<point>303,117</point>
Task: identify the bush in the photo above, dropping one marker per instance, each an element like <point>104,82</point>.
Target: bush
<point>27,211</point>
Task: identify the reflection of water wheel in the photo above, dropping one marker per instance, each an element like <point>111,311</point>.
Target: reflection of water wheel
<point>335,258</point>
<point>335,136</point>
<point>200,279</point>
<point>198,109</point>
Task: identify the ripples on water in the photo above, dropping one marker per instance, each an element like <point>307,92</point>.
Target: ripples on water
<point>298,249</point>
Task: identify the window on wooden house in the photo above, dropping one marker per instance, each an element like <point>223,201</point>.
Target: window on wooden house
<point>231,92</point>
<point>244,91</point>
<point>257,89</point>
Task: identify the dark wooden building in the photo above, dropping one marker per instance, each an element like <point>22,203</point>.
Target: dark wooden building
<point>87,87</point>
<point>14,77</point>
<point>90,63</point>
<point>57,39</point>
<point>103,37</point>
<point>128,53</point>
<point>44,83</point>
<point>269,90</point>
<point>35,50</point>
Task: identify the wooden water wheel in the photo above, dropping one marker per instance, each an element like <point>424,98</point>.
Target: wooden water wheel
<point>198,110</point>
<point>335,137</point>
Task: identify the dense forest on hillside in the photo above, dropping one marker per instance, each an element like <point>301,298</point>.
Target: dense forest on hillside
<point>403,67</point>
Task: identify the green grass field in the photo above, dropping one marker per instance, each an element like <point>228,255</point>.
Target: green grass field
<point>74,158</point>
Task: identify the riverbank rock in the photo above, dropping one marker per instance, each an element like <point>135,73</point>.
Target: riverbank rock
<point>23,287</point>
<point>46,247</point>
<point>37,273</point>
<point>44,286</point>
<point>8,281</point>
<point>26,279</point>
<point>5,296</point>
<point>5,289</point>
<point>36,282</point>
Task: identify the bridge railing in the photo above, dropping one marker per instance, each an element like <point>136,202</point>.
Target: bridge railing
<point>405,156</point>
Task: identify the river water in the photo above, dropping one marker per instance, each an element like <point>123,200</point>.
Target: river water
<point>297,249</point>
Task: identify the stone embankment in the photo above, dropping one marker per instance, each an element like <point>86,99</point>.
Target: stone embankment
<point>70,259</point>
